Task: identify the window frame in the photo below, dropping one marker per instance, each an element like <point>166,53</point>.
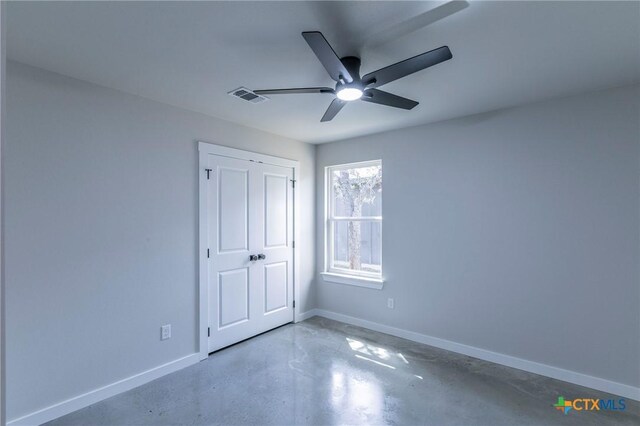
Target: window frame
<point>341,275</point>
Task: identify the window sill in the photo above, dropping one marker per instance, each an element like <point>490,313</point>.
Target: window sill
<point>373,283</point>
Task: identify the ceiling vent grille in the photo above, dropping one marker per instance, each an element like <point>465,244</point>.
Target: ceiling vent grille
<point>247,95</point>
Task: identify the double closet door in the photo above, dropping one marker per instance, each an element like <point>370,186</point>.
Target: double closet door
<point>250,248</point>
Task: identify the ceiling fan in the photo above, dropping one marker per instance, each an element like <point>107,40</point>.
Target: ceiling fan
<point>350,86</point>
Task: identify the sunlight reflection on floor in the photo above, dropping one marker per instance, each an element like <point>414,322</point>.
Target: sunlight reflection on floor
<point>378,352</point>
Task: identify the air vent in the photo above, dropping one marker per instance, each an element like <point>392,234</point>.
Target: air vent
<point>247,95</point>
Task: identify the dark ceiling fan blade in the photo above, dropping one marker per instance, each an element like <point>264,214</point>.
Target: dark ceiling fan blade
<point>333,109</point>
<point>327,56</point>
<point>298,90</point>
<point>385,98</point>
<point>408,66</point>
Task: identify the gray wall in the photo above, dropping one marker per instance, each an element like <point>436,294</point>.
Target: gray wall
<point>515,231</point>
<point>101,232</point>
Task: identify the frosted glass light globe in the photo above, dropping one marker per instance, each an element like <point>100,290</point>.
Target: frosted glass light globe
<point>349,94</point>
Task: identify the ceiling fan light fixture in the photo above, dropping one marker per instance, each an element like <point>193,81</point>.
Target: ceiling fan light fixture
<point>349,94</point>
<point>350,86</point>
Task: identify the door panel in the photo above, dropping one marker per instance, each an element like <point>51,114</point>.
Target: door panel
<point>233,296</point>
<point>233,206</point>
<point>249,212</point>
<point>275,210</point>
<point>275,286</point>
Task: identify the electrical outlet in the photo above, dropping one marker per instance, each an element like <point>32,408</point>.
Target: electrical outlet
<point>390,303</point>
<point>165,332</point>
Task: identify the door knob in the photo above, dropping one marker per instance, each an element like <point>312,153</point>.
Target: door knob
<point>262,256</point>
<point>253,257</point>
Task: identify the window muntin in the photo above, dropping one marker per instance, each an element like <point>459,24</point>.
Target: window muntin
<point>354,219</point>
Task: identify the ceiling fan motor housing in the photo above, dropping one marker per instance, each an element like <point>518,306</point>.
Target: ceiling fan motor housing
<point>352,64</point>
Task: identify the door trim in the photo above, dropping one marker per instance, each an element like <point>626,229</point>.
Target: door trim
<point>205,149</point>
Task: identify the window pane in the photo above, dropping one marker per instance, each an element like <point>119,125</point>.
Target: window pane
<point>356,246</point>
<point>357,191</point>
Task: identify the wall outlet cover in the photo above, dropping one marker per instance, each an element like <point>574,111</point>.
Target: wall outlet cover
<point>165,332</point>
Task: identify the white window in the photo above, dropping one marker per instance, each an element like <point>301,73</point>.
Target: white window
<point>354,224</point>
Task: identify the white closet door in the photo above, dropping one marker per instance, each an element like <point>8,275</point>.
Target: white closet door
<point>250,214</point>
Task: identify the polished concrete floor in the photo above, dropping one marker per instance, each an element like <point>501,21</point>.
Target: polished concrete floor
<point>324,372</point>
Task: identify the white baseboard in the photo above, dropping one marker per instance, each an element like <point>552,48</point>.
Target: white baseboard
<point>96,395</point>
<point>597,383</point>
<point>306,315</point>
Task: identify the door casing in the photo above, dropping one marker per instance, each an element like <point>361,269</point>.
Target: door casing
<point>205,149</point>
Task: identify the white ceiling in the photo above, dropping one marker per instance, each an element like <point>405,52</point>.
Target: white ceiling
<point>191,54</point>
